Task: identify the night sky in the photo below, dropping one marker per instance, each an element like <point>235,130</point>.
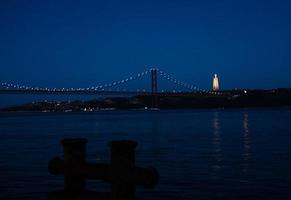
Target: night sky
<point>84,43</point>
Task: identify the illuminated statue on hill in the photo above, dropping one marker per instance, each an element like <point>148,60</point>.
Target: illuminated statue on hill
<point>215,83</point>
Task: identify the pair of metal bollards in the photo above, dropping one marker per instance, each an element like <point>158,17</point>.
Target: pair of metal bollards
<point>122,173</point>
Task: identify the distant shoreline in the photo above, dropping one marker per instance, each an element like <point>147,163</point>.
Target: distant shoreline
<point>226,99</point>
<point>151,111</point>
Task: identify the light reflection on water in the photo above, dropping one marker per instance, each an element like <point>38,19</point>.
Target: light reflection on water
<point>246,155</point>
<point>200,154</point>
<point>216,141</point>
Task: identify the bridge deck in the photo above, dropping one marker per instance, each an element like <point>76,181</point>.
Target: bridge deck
<point>101,93</point>
<point>75,92</point>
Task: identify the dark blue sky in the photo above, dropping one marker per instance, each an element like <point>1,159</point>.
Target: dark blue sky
<point>83,43</point>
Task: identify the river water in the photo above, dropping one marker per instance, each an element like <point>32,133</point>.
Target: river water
<point>200,154</point>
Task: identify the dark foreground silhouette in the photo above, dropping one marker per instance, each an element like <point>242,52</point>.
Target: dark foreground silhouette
<point>121,173</point>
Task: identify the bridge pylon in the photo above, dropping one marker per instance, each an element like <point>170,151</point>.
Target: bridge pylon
<point>154,86</point>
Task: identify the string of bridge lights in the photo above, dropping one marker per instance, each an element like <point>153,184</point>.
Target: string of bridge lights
<point>109,86</point>
<point>177,82</point>
<point>183,84</point>
<point>93,88</point>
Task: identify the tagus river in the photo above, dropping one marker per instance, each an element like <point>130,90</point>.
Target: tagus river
<point>200,154</point>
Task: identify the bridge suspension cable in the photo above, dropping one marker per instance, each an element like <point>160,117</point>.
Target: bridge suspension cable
<point>100,87</point>
<point>188,86</point>
<point>123,81</point>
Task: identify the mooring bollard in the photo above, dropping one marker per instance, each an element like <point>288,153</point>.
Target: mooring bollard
<point>122,166</point>
<point>74,154</point>
<point>121,173</point>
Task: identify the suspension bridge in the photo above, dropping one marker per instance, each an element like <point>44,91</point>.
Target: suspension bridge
<point>116,88</point>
